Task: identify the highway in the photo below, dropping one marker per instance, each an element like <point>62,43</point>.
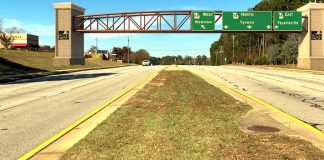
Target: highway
<point>32,111</point>
<point>296,93</point>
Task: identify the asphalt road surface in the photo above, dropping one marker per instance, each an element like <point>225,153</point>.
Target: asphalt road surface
<point>32,111</point>
<point>298,94</point>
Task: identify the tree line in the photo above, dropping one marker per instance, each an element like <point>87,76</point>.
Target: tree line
<point>186,60</point>
<point>126,54</point>
<point>136,57</point>
<point>259,48</point>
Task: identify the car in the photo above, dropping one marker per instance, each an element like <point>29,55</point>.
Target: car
<point>146,63</point>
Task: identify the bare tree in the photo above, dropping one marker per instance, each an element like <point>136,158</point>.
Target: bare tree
<point>93,49</point>
<point>6,40</point>
<point>14,29</point>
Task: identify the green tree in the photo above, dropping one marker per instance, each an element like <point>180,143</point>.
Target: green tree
<point>140,56</point>
<point>199,60</point>
<point>249,46</point>
<point>155,60</point>
<point>188,60</point>
<point>204,60</point>
<point>214,49</point>
<point>125,54</point>
<point>168,60</point>
<point>290,49</point>
<point>273,54</point>
<point>179,60</point>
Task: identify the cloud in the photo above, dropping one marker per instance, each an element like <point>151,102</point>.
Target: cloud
<point>32,28</point>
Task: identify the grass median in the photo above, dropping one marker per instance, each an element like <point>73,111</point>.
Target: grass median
<point>180,116</point>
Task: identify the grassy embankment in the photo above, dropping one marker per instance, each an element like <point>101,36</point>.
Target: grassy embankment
<point>19,62</point>
<point>180,116</point>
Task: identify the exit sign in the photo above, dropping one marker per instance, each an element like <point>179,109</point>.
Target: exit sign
<point>287,21</point>
<point>203,20</point>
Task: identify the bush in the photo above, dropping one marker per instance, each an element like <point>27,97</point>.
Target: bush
<point>261,60</point>
<point>248,61</point>
<point>12,48</point>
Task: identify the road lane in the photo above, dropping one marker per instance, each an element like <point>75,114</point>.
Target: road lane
<point>60,101</point>
<point>28,90</point>
<point>298,94</point>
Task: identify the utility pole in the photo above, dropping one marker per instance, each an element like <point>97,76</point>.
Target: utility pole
<point>128,50</point>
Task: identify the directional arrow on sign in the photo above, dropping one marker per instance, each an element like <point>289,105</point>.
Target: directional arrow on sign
<point>226,26</point>
<point>276,26</point>
<point>249,26</point>
<point>268,26</point>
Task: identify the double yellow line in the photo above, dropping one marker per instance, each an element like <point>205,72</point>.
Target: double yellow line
<point>84,118</point>
<point>313,129</point>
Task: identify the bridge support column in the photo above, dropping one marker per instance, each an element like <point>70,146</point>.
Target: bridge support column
<point>311,50</point>
<point>69,45</point>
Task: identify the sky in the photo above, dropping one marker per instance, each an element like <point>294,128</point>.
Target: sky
<point>37,17</point>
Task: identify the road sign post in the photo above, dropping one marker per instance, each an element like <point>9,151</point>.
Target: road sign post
<point>203,20</point>
<point>247,21</point>
<point>287,21</point>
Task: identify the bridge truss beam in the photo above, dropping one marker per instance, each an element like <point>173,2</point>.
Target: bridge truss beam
<point>146,22</point>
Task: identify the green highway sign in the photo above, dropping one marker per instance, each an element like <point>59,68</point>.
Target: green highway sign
<point>247,21</point>
<point>203,20</point>
<point>287,21</point>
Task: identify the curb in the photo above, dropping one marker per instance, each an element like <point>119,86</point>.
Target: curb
<point>319,72</point>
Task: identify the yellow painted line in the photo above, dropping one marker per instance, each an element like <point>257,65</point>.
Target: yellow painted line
<point>313,129</point>
<point>85,117</point>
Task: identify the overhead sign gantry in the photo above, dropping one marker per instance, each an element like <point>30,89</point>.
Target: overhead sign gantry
<point>176,22</point>
<point>71,24</point>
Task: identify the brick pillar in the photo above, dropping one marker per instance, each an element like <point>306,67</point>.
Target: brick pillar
<point>69,45</point>
<point>310,50</point>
